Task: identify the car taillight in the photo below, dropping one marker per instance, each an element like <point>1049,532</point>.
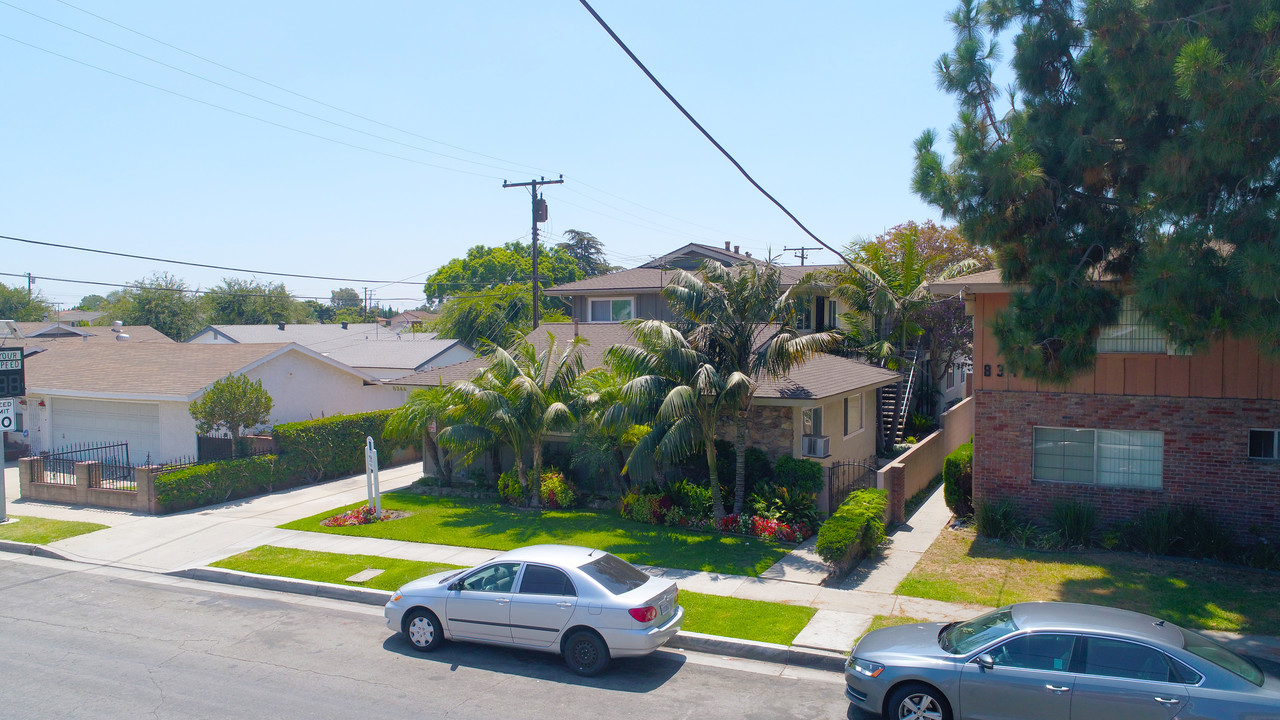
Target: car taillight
<point>676,599</point>
<point>644,614</point>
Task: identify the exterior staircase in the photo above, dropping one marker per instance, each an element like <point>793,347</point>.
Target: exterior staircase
<point>895,400</point>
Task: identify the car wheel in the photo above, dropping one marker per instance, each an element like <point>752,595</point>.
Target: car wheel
<point>422,629</point>
<point>918,702</point>
<point>585,653</point>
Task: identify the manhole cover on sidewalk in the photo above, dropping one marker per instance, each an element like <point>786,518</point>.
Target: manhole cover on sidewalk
<point>365,575</point>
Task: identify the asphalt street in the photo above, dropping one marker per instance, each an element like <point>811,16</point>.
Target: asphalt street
<point>79,641</point>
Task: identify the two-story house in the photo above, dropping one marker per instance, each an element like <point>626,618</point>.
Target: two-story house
<point>1149,425</point>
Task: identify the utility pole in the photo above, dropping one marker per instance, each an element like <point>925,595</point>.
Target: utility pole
<point>801,252</point>
<point>28,286</point>
<point>539,215</point>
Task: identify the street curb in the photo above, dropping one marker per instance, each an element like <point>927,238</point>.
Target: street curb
<point>698,642</point>
<point>21,548</point>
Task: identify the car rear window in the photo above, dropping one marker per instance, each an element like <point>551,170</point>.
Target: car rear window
<point>1202,646</point>
<point>616,576</point>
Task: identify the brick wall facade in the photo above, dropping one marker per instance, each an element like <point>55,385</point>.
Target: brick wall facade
<point>1205,454</point>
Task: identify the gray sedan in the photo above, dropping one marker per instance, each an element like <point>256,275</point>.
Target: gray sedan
<point>1056,661</point>
<point>584,604</point>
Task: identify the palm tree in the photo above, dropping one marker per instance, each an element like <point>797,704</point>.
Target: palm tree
<point>597,446</point>
<point>677,388</point>
<point>425,407</point>
<point>742,320</point>
<point>520,397</point>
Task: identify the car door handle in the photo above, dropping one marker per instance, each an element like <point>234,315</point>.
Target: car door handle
<point>1166,701</point>
<point>1058,688</point>
<point>564,604</point>
<point>502,600</point>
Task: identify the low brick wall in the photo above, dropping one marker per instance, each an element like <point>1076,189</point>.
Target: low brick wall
<point>912,471</point>
<point>32,487</point>
<point>1206,449</point>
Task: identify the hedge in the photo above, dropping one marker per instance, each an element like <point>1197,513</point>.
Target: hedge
<point>957,480</point>
<point>218,482</point>
<point>331,447</point>
<point>857,526</point>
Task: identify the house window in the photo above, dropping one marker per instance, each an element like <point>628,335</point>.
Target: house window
<point>1264,444</point>
<point>1110,458</point>
<point>852,414</point>
<point>612,309</point>
<point>951,378</point>
<point>804,319</point>
<point>1134,334</point>
<point>811,420</point>
<point>833,320</point>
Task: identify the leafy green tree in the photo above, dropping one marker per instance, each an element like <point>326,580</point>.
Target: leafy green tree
<point>497,317</point>
<point>317,311</point>
<point>519,398</point>
<point>16,305</point>
<point>485,268</point>
<point>425,408</point>
<point>587,251</point>
<point>232,404</point>
<point>345,298</point>
<point>1141,144</point>
<point>248,302</point>
<point>676,388</point>
<point>742,320</point>
<point>91,302</point>
<point>162,301</point>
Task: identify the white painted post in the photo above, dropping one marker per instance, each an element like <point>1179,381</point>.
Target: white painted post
<point>371,476</point>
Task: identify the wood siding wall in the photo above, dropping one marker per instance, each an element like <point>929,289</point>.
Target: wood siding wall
<point>1229,369</point>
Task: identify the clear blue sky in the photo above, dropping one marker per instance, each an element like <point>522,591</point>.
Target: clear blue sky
<point>820,101</point>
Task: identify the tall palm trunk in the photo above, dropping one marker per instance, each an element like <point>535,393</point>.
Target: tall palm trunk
<point>717,505</point>
<point>534,484</point>
<point>444,466</point>
<point>740,469</point>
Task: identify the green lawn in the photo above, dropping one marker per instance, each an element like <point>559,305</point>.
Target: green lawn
<point>453,521</point>
<point>961,567</point>
<point>329,567</point>
<point>709,614</point>
<point>40,531</point>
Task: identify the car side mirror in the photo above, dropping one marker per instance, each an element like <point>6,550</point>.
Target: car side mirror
<point>985,661</point>
<point>455,586</point>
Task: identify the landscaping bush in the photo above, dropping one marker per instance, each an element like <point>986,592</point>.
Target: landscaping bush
<point>218,482</point>
<point>759,470</point>
<point>331,447</point>
<point>1075,522</point>
<point>694,499</point>
<point>556,492</point>
<point>510,489</point>
<point>1202,536</point>
<point>957,480</point>
<point>857,525</point>
<point>1153,531</point>
<point>781,504</point>
<point>798,476</point>
<point>997,519</point>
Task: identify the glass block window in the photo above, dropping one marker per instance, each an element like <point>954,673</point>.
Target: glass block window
<point>1131,333</point>
<point>1112,458</point>
<point>612,310</point>
<point>1264,444</point>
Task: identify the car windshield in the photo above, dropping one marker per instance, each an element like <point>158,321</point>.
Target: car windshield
<point>1202,646</point>
<point>616,576</point>
<point>966,637</point>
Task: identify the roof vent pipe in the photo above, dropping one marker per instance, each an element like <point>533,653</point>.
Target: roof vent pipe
<point>736,249</point>
<point>280,325</point>
<point>726,244</point>
<point>122,337</point>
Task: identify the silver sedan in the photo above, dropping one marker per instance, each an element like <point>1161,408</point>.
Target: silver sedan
<point>584,604</point>
<point>1056,661</point>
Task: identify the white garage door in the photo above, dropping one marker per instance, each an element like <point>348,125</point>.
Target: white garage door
<point>105,421</point>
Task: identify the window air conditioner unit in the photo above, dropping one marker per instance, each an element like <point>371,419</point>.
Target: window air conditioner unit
<point>815,446</point>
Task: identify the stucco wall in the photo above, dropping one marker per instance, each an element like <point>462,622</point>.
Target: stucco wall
<point>304,388</point>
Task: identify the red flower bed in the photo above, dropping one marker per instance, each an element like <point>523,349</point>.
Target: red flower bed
<point>362,515</point>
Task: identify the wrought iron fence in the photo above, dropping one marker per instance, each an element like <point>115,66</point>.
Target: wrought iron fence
<point>116,472</point>
<point>845,477</point>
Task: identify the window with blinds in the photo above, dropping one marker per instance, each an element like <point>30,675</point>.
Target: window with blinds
<point>1110,458</point>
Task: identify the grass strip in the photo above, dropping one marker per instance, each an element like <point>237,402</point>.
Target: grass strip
<point>745,619</point>
<point>467,523</point>
<point>961,567</point>
<point>42,531</point>
<point>329,567</point>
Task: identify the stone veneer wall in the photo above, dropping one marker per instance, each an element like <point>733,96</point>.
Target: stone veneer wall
<point>1206,447</point>
<point>770,428</point>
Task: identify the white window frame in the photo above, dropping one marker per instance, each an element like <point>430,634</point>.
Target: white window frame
<point>833,318</point>
<point>591,316</point>
<point>849,413</point>
<point>1099,475</point>
<point>1275,445</point>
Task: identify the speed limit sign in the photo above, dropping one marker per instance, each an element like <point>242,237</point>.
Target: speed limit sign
<point>8,417</point>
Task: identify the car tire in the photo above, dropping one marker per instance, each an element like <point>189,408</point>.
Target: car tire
<point>917,701</point>
<point>586,653</point>
<point>422,630</point>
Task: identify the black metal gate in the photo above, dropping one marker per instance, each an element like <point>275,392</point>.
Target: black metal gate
<point>112,459</point>
<point>845,477</point>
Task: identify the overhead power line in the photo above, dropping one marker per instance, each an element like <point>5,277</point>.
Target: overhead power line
<point>706,134</point>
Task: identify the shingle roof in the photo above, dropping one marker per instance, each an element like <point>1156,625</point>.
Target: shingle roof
<point>654,279</point>
<point>986,281</point>
<point>408,355</point>
<point>46,332</point>
<point>173,370</point>
<point>312,334</point>
<point>820,377</point>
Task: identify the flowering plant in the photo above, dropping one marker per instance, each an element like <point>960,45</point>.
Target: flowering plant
<point>362,515</point>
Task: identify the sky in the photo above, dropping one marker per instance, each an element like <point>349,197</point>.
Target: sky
<point>370,141</point>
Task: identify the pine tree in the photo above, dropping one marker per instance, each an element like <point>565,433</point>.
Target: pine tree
<point>1141,145</point>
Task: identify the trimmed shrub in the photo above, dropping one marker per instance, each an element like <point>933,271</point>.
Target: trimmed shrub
<point>787,507</point>
<point>1202,536</point>
<point>331,447</point>
<point>957,480</point>
<point>1154,531</point>
<point>556,492</point>
<point>998,520</point>
<point>509,487</point>
<point>798,476</point>
<point>1075,523</point>
<point>694,499</point>
<point>857,525</point>
<point>218,482</point>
